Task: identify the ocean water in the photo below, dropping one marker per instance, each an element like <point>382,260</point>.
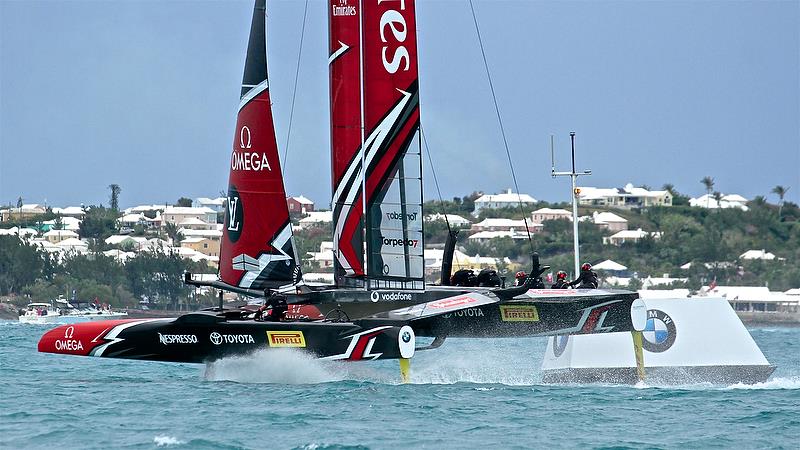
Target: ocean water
<point>475,393</point>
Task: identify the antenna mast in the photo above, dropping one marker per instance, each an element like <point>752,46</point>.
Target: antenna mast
<point>575,192</point>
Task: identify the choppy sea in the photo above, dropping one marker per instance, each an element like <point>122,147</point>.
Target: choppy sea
<point>472,393</point>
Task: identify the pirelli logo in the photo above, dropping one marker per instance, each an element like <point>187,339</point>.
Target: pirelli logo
<point>286,339</point>
<point>521,313</point>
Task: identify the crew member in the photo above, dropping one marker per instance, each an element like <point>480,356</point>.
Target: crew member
<point>587,279</point>
<point>276,303</point>
<point>561,280</point>
<point>520,278</point>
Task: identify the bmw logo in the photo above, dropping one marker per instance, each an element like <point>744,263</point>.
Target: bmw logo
<point>216,338</point>
<point>406,337</point>
<point>560,344</point>
<point>659,333</point>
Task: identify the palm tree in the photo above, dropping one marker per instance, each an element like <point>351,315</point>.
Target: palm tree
<point>115,190</point>
<point>780,191</point>
<point>708,182</point>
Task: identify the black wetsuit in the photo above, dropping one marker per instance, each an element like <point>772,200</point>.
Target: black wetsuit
<point>586,280</point>
<point>560,284</point>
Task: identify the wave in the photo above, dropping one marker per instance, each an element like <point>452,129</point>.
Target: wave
<point>164,441</point>
<point>790,383</point>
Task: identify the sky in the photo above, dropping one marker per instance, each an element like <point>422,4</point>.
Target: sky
<point>144,94</point>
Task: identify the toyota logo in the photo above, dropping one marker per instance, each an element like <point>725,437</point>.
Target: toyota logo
<point>216,338</point>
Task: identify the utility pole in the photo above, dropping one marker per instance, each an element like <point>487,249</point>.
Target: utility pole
<point>575,192</point>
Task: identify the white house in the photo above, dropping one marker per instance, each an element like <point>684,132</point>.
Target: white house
<point>454,219</point>
<point>500,224</point>
<point>215,204</point>
<point>484,236</point>
<point>623,236</point>
<point>324,257</point>
<point>56,236</point>
<point>507,199</point>
<point>177,214</point>
<point>757,254</point>
<point>626,197</point>
<point>542,214</point>
<point>725,201</point>
<point>609,221</point>
<point>70,211</point>
<point>316,218</point>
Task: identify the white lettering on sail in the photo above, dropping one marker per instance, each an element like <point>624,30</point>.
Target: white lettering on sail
<point>343,9</point>
<point>395,21</point>
<point>233,224</point>
<point>252,161</point>
<point>245,139</point>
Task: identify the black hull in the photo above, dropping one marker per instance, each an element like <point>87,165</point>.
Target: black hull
<point>548,314</point>
<point>204,337</point>
<point>726,375</point>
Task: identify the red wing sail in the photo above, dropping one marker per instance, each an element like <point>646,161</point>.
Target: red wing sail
<point>390,118</point>
<point>257,248</point>
<point>346,135</point>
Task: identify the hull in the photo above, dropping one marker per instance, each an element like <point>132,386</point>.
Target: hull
<point>539,312</point>
<point>684,341</point>
<point>205,337</point>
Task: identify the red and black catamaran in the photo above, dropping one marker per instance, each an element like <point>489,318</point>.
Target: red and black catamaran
<point>380,299</point>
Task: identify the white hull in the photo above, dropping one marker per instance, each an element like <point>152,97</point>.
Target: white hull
<point>686,341</point>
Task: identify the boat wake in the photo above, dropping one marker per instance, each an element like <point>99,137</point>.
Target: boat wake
<point>778,383</point>
<point>279,366</point>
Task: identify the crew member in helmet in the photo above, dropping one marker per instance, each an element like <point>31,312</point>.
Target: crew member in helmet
<point>275,305</point>
<point>519,278</point>
<point>561,280</point>
<point>587,279</point>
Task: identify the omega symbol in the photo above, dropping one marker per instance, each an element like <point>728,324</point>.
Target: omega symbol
<point>245,138</point>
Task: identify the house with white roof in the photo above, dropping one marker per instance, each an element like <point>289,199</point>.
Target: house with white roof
<point>624,236</point>
<point>752,298</point>
<point>507,199</point>
<point>501,224</point>
<point>25,212</point>
<point>757,254</point>
<point>609,221</point>
<point>177,214</point>
<point>214,234</point>
<point>542,214</point>
<point>485,236</point>
<point>16,231</point>
<point>56,236</point>
<point>316,218</point>
<point>454,219</point>
<point>324,257</point>
<point>120,255</point>
<point>73,245</point>
<point>67,223</point>
<point>127,241</point>
<point>725,201</point>
<point>204,245</point>
<point>299,205</point>
<point>626,197</point>
<point>71,211</point>
<point>215,204</point>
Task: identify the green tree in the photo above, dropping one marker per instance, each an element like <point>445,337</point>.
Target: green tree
<point>172,231</point>
<point>780,191</point>
<point>21,264</point>
<point>708,182</point>
<point>115,191</point>
<point>184,202</point>
<point>98,223</point>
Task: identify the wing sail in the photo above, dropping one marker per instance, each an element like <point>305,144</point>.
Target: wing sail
<point>257,247</point>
